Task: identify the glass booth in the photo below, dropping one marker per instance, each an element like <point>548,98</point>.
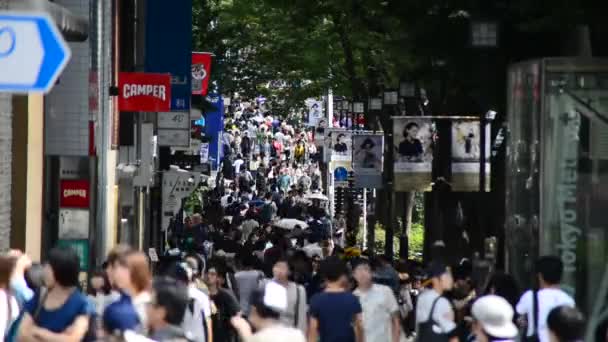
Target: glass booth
<point>557,174</point>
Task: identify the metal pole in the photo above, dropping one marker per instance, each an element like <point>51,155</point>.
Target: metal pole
<point>364,218</point>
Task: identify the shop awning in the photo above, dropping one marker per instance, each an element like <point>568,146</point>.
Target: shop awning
<point>74,28</point>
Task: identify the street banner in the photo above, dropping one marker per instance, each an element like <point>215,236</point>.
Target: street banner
<point>74,194</point>
<point>368,160</point>
<point>340,173</point>
<point>144,92</point>
<point>341,145</point>
<point>214,126</point>
<point>201,72</point>
<point>466,154</point>
<point>315,112</point>
<point>168,46</point>
<point>412,141</point>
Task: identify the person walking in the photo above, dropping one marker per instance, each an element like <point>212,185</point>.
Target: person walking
<point>535,305</point>
<point>335,313</point>
<point>294,314</point>
<point>380,309</point>
<point>493,320</point>
<point>60,312</point>
<point>266,305</point>
<point>226,304</point>
<point>434,313</point>
<point>566,324</point>
<point>166,311</point>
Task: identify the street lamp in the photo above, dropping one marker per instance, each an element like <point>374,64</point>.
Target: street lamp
<point>484,34</point>
<point>375,103</point>
<point>391,98</point>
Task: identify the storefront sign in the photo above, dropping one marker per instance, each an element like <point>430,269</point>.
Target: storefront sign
<point>74,194</point>
<point>73,224</point>
<point>143,92</point>
<point>201,72</point>
<point>173,120</point>
<point>174,137</point>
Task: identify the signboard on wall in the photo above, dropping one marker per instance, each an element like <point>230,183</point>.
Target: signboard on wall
<point>73,224</point>
<point>144,92</point>
<point>74,194</point>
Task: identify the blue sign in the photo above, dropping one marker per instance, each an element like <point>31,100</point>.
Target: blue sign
<point>32,53</point>
<point>214,120</point>
<point>169,46</point>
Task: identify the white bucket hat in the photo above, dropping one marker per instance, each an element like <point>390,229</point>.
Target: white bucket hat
<point>495,315</point>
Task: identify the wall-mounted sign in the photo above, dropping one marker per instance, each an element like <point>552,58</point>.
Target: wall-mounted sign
<point>174,137</point>
<point>73,224</point>
<point>201,72</point>
<point>144,92</point>
<point>74,194</point>
<point>173,120</point>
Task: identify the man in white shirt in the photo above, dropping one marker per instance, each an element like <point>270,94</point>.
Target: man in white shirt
<point>237,164</point>
<point>432,302</point>
<point>380,309</point>
<point>549,271</point>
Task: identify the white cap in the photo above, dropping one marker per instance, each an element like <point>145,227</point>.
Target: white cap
<point>495,315</point>
<point>275,296</point>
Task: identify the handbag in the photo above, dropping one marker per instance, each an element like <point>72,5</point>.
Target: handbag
<point>426,333</point>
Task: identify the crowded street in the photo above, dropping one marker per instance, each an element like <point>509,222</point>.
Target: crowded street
<point>303,171</point>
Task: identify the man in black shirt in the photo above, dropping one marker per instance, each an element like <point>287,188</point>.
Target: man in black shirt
<point>226,305</point>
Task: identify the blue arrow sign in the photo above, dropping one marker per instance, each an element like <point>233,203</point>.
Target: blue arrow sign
<point>32,53</point>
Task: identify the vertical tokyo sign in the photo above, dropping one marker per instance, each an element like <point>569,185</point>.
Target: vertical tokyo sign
<point>169,47</point>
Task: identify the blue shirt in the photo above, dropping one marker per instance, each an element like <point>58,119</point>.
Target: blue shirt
<point>59,319</point>
<point>121,315</point>
<point>336,313</point>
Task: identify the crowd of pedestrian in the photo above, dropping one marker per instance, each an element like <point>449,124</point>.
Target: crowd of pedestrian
<point>263,261</point>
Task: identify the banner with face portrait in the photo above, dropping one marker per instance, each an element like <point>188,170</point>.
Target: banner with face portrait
<point>368,160</point>
<point>315,112</point>
<point>340,148</point>
<point>466,154</point>
<point>413,144</point>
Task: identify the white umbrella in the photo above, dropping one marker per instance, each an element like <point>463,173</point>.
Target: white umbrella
<point>317,196</point>
<point>290,224</point>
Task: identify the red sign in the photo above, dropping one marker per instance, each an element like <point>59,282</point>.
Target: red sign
<point>74,194</point>
<point>201,72</point>
<point>143,92</point>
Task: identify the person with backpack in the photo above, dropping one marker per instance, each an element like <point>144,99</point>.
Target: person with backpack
<point>269,209</point>
<point>434,312</point>
<point>197,318</point>
<point>62,312</point>
<point>535,305</point>
<point>166,311</point>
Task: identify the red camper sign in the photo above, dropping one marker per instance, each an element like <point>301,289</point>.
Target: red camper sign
<point>74,194</point>
<point>144,92</point>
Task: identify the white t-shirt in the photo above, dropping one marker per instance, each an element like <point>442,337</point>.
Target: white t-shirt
<point>237,165</point>
<point>443,313</point>
<point>548,299</point>
<point>379,305</point>
<point>196,313</point>
<point>4,311</point>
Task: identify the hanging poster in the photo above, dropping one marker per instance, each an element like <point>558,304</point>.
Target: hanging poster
<point>315,111</point>
<point>413,144</point>
<point>368,160</point>
<point>340,173</point>
<point>341,145</point>
<point>466,154</point>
